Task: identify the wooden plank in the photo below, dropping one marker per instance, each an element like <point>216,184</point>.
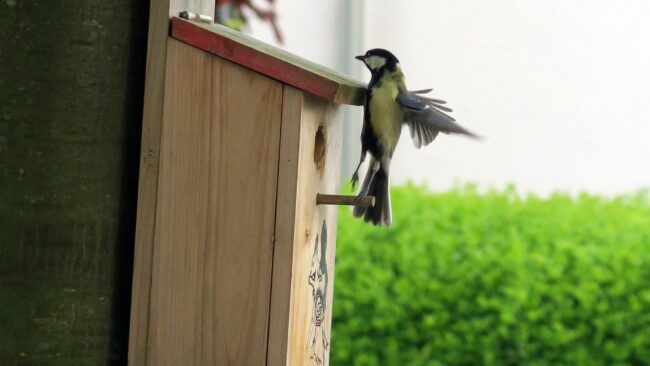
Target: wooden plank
<point>243,181</point>
<point>159,14</point>
<point>305,232</point>
<point>180,231</point>
<point>292,103</point>
<point>148,182</point>
<point>315,235</point>
<point>270,61</point>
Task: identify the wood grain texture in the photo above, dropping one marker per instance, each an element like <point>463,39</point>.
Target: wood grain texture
<point>159,14</point>
<point>148,181</point>
<point>292,103</point>
<point>270,61</point>
<point>241,217</point>
<point>299,228</point>
<point>309,220</point>
<point>180,232</point>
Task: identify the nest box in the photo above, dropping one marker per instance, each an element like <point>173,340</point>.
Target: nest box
<point>234,260</point>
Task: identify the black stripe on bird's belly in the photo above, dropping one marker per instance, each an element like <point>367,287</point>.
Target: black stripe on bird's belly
<point>370,140</point>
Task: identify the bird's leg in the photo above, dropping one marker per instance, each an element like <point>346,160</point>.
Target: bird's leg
<point>355,176</point>
<point>366,187</point>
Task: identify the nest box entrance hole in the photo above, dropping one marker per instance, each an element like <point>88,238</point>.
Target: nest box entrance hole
<point>320,147</point>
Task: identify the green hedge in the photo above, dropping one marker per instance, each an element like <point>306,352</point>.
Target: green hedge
<point>465,278</point>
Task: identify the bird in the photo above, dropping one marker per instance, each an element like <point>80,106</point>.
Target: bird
<point>388,106</point>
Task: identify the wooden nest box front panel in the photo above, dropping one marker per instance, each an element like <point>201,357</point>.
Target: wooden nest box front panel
<point>239,268</point>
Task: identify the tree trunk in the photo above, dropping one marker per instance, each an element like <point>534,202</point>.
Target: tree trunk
<point>71,89</point>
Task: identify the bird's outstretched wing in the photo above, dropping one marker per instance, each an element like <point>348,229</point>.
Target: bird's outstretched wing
<point>425,118</point>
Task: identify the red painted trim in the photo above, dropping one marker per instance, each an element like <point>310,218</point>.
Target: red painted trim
<point>253,59</point>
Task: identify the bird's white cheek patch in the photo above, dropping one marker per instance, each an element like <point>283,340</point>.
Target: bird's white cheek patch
<point>375,62</point>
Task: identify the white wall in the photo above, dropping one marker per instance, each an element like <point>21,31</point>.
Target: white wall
<point>309,27</point>
<point>560,89</point>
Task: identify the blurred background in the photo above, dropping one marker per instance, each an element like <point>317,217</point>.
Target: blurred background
<point>557,88</point>
<point>531,247</point>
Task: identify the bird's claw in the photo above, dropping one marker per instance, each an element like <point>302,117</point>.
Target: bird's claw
<point>361,195</point>
<point>354,180</point>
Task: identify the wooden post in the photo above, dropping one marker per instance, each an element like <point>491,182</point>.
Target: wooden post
<point>71,89</point>
<point>337,199</point>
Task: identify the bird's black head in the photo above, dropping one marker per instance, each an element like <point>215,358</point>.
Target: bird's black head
<point>377,59</point>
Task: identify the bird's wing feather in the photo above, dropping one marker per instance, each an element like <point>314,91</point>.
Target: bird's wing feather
<point>425,119</point>
<point>411,101</point>
<point>423,91</point>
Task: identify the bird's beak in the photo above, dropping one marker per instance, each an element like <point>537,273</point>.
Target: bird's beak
<point>360,58</point>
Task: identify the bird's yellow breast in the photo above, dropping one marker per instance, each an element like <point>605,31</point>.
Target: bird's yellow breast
<point>385,114</point>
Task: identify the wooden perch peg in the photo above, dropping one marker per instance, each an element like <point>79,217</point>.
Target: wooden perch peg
<point>337,199</point>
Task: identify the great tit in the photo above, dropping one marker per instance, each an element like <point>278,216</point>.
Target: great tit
<point>387,107</point>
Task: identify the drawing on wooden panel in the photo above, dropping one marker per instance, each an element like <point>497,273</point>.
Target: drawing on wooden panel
<point>317,343</point>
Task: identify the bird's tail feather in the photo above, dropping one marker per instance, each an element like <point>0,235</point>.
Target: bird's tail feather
<point>380,213</point>
<point>365,187</point>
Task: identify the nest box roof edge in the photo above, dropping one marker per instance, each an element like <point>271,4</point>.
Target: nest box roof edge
<point>269,60</point>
